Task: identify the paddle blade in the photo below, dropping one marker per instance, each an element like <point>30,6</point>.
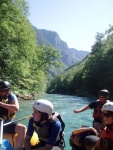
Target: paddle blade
<point>6,145</point>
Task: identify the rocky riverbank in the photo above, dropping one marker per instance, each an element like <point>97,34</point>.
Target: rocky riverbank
<point>25,96</point>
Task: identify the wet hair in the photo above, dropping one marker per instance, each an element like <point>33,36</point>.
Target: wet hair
<point>44,116</point>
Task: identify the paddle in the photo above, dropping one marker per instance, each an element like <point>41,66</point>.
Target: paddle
<point>1,132</point>
<point>4,144</point>
<point>17,120</point>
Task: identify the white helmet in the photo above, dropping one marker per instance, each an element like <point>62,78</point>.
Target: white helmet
<point>44,106</point>
<point>108,106</point>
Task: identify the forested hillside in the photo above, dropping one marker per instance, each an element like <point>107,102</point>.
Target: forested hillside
<point>69,56</point>
<point>22,62</point>
<point>92,74</point>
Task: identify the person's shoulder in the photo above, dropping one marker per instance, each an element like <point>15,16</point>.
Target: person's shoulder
<point>12,96</point>
<point>55,125</point>
<point>93,104</point>
<point>95,101</point>
<point>31,119</point>
<point>55,122</point>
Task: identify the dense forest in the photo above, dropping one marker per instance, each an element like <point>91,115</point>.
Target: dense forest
<point>22,62</point>
<point>25,64</point>
<point>92,74</point>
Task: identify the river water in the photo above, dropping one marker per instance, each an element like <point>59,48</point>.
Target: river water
<point>64,104</point>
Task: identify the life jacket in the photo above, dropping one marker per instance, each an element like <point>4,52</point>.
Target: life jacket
<point>44,131</point>
<point>97,114</point>
<point>107,139</point>
<point>107,134</point>
<point>6,114</point>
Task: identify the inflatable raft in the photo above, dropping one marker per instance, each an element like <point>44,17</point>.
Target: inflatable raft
<point>8,141</point>
<point>83,140</point>
<point>12,139</point>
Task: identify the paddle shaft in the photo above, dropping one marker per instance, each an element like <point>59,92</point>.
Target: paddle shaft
<point>1,133</point>
<point>17,120</point>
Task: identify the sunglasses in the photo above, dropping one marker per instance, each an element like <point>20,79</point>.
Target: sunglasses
<point>107,114</point>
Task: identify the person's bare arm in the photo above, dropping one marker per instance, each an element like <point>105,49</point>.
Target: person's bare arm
<point>77,131</point>
<point>13,107</point>
<point>81,109</point>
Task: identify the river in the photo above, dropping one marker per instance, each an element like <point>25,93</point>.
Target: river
<point>64,104</point>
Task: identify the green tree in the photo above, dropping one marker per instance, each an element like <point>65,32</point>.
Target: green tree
<point>93,73</point>
<point>22,62</point>
<point>17,40</point>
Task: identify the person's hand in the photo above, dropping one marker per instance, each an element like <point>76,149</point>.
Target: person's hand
<point>95,131</point>
<point>75,111</point>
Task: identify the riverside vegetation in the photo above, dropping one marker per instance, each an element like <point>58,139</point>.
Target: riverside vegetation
<point>25,64</point>
<point>22,62</point>
<point>94,73</point>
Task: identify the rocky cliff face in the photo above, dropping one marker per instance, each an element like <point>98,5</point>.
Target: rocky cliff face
<point>70,56</point>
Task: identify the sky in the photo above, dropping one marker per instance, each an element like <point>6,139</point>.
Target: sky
<point>76,21</point>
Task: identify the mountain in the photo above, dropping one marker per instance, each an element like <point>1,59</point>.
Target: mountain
<point>92,74</point>
<point>70,56</point>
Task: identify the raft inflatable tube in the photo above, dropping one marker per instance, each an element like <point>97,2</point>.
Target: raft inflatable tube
<point>12,139</point>
<point>87,144</point>
<point>83,139</point>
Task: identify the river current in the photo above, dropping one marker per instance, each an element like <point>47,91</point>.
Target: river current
<point>63,104</point>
